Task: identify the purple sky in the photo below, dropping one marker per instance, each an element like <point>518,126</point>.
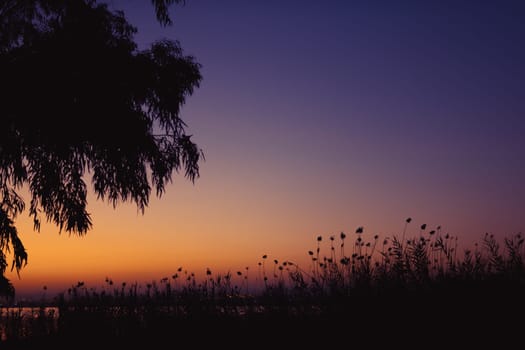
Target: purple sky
<point>415,107</point>
<point>418,106</point>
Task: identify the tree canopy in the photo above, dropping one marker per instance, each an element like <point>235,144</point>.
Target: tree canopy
<point>79,100</point>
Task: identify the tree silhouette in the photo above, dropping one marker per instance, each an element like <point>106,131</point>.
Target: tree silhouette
<point>80,100</point>
<point>162,7</point>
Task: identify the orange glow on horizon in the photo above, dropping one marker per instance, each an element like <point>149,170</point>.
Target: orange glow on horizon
<point>127,246</point>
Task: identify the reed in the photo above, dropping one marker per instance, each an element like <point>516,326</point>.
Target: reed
<point>424,274</point>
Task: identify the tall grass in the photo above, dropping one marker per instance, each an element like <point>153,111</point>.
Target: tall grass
<point>348,274</point>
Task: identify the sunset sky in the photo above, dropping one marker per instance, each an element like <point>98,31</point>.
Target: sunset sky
<point>317,117</point>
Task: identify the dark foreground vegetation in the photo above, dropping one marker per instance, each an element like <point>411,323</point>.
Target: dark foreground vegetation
<point>364,290</point>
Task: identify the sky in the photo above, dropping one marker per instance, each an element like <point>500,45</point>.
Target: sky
<point>315,118</point>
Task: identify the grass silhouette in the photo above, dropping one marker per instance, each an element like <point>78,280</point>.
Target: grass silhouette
<point>407,284</point>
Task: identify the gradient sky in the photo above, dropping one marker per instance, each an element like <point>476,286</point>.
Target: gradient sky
<point>317,117</point>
